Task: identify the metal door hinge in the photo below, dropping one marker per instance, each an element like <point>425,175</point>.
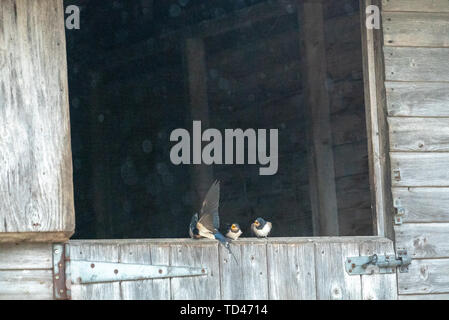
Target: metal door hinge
<point>67,271</point>
<point>399,211</point>
<point>376,264</point>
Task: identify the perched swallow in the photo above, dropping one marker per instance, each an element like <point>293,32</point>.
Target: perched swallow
<point>233,231</point>
<point>209,222</point>
<point>261,228</point>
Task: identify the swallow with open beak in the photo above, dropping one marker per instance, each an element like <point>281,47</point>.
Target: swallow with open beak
<point>233,231</point>
<point>261,228</point>
<point>206,225</point>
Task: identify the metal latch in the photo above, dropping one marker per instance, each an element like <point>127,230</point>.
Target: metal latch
<point>375,264</point>
<point>67,271</point>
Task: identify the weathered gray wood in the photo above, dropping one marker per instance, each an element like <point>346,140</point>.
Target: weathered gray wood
<point>378,286</point>
<point>417,99</point>
<point>415,5</point>
<point>248,278</point>
<point>419,134</point>
<point>152,289</point>
<point>424,240</point>
<point>91,251</point>
<point>26,256</point>
<point>196,255</point>
<point>322,176</point>
<point>423,204</point>
<point>420,169</point>
<point>36,192</point>
<point>26,285</point>
<point>441,296</point>
<point>292,271</point>
<point>332,281</point>
<point>424,277</point>
<point>376,124</point>
<point>416,29</point>
<point>416,64</point>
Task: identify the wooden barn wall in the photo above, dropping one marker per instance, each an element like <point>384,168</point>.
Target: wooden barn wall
<point>416,52</point>
<point>347,112</point>
<point>277,268</point>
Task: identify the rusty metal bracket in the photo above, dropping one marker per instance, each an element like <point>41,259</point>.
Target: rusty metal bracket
<point>399,211</point>
<point>60,291</point>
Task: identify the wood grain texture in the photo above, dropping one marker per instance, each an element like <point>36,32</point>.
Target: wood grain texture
<point>419,134</point>
<point>332,281</point>
<point>248,278</point>
<point>26,256</point>
<point>152,289</point>
<point>441,296</point>
<point>426,240</point>
<point>36,191</point>
<point>292,271</point>
<point>424,277</point>
<point>321,156</point>
<point>378,286</point>
<point>416,64</point>
<point>417,99</point>
<point>420,169</point>
<point>415,5</point>
<point>423,204</point>
<point>198,254</point>
<point>416,29</point>
<point>26,285</point>
<point>85,250</point>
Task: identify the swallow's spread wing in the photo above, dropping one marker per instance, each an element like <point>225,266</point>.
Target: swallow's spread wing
<point>209,211</point>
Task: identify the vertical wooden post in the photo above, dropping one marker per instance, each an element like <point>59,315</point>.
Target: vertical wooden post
<point>202,174</point>
<point>321,157</point>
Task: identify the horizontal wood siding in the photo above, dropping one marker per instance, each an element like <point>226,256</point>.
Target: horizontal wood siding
<point>416,51</point>
<point>26,271</point>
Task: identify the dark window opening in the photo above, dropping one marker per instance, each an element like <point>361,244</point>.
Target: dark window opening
<point>131,65</point>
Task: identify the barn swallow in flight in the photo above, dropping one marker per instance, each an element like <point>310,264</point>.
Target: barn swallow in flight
<point>261,228</point>
<point>233,231</point>
<point>206,225</point>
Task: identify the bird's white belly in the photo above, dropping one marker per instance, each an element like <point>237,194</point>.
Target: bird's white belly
<point>264,231</point>
<point>234,236</point>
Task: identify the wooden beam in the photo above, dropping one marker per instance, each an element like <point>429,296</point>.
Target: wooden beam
<point>376,123</point>
<point>202,174</point>
<point>321,157</point>
<point>36,188</point>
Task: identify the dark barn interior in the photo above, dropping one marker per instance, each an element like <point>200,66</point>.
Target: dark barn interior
<point>140,69</point>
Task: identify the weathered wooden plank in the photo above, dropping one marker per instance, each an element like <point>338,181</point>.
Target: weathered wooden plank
<point>423,204</point>
<point>91,251</point>
<point>441,296</point>
<point>426,240</point>
<point>424,277</point>
<point>417,99</point>
<point>199,254</point>
<point>248,278</point>
<point>415,5</point>
<point>376,124</point>
<point>416,64</point>
<point>291,271</point>
<point>419,134</point>
<point>153,289</point>
<point>378,286</point>
<point>332,281</point>
<point>36,191</point>
<point>321,156</point>
<point>26,256</point>
<point>416,29</point>
<point>419,169</point>
<point>26,285</point>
